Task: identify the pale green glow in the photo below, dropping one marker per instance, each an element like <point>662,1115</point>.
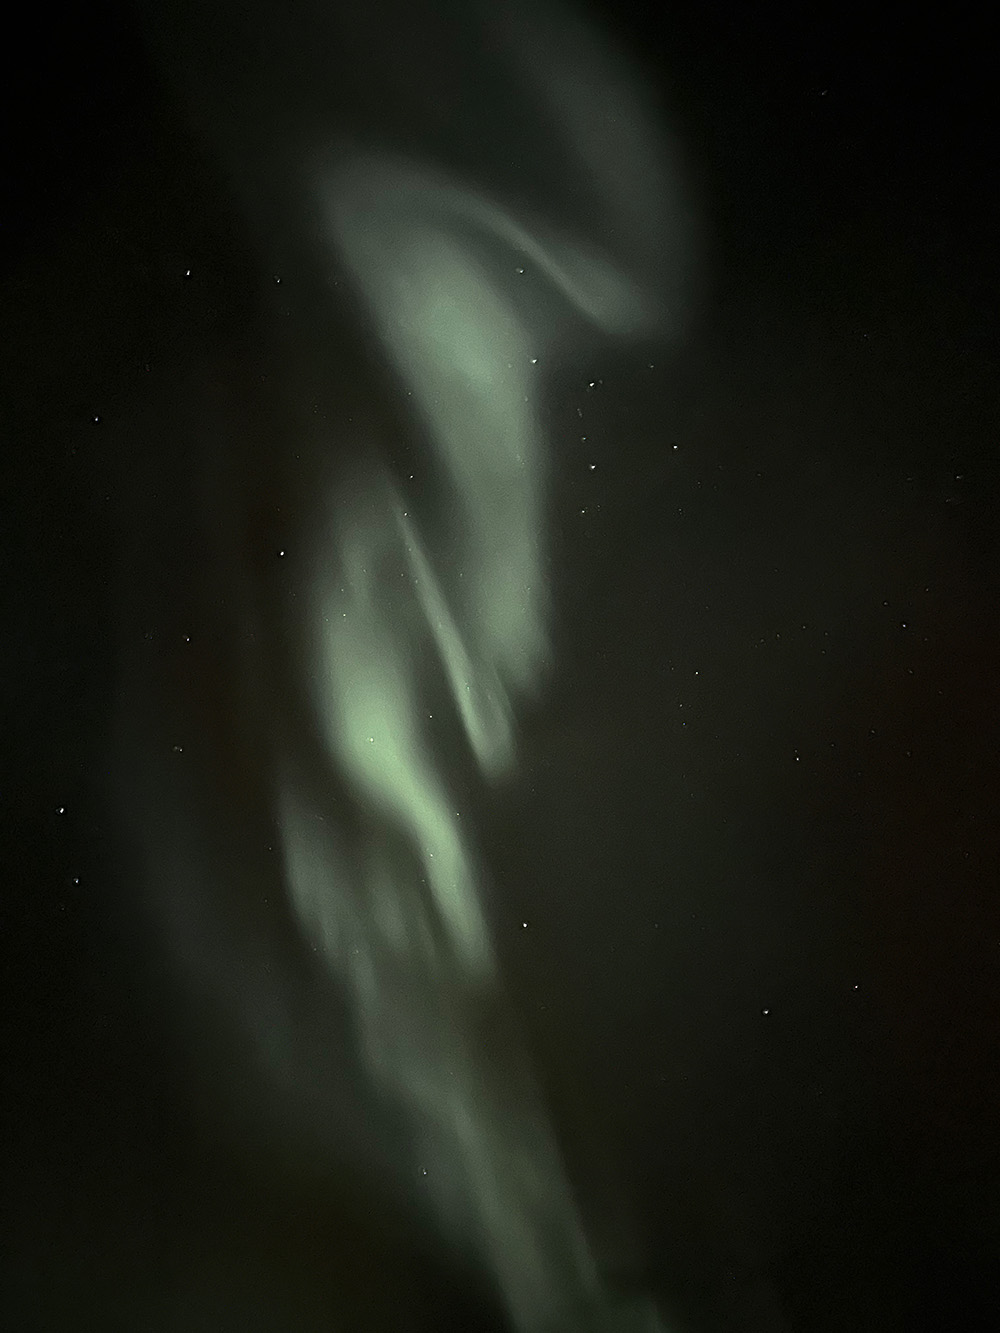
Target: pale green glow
<point>467,299</point>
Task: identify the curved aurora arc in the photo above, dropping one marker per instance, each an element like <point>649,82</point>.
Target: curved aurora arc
<point>465,332</point>
<point>472,296</point>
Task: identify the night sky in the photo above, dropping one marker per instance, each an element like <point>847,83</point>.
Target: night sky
<point>753,832</point>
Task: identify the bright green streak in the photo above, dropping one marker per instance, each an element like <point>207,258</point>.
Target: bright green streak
<point>469,302</point>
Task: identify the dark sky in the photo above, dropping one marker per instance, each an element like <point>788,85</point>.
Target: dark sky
<point>754,829</point>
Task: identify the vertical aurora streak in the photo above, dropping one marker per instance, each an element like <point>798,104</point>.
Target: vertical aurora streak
<point>470,302</point>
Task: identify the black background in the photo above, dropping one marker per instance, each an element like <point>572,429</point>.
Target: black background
<point>755,831</point>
